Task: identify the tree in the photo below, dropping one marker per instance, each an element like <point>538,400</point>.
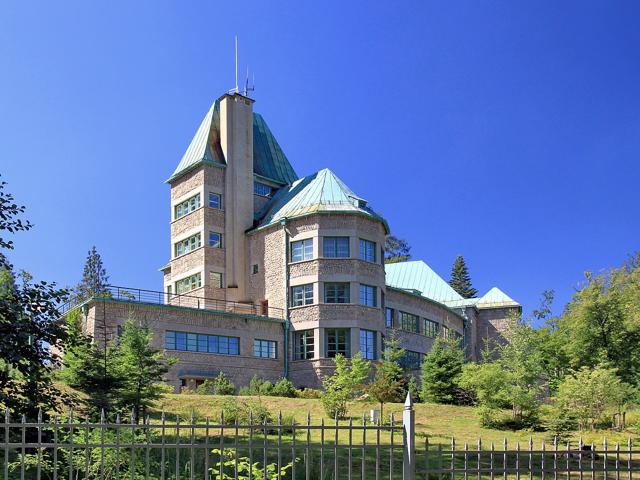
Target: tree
<point>396,250</point>
<point>461,280</point>
<point>388,384</point>
<point>441,369</point>
<point>514,379</point>
<point>91,369</point>
<point>94,277</point>
<point>345,382</point>
<point>601,324</point>
<point>591,393</point>
<point>220,385</point>
<point>30,333</point>
<point>141,367</point>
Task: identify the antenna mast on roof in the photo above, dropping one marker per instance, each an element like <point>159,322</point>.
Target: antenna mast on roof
<point>236,89</point>
<point>248,88</point>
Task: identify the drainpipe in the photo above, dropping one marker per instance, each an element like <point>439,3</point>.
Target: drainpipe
<point>287,323</point>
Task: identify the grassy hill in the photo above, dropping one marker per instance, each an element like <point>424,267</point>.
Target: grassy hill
<point>436,422</point>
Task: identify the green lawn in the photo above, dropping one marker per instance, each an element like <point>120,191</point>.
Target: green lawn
<point>438,423</point>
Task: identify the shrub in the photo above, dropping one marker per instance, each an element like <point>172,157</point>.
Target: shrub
<point>308,393</point>
<point>220,385</point>
<point>284,388</point>
<point>239,411</point>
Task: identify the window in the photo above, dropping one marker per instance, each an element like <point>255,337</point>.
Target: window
<point>336,293</point>
<point>302,295</point>
<point>368,295</point>
<point>302,250</point>
<point>189,283</point>
<point>216,279</point>
<point>262,189</point>
<point>169,291</point>
<point>215,239</point>
<point>215,200</point>
<point>335,247</point>
<point>187,206</point>
<point>388,317</point>
<point>408,322</point>
<point>187,245</point>
<point>367,250</point>
<point>368,344</point>
<point>198,342</point>
<point>411,360</point>
<point>430,328</point>
<point>303,345</point>
<point>337,341</point>
<point>254,268</point>
<point>264,348</point>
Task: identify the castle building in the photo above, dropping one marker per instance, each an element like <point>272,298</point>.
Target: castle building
<point>274,274</point>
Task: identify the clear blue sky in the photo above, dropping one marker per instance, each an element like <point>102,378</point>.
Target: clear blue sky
<point>505,131</point>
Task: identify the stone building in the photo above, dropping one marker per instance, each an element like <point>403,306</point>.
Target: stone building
<point>272,274</point>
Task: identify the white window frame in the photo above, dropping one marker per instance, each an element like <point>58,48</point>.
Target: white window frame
<point>220,243</point>
<point>306,249</point>
<point>219,196</point>
<point>188,245</point>
<point>187,206</point>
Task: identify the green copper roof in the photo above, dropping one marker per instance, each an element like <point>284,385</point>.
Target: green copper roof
<point>269,160</point>
<point>322,192</point>
<point>419,277</point>
<point>495,298</point>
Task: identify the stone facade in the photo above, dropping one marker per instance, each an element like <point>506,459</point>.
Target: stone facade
<point>241,284</point>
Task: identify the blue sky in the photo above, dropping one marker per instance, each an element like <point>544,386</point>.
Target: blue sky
<point>505,131</point>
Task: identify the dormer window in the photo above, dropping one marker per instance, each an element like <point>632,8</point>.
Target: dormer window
<point>262,189</point>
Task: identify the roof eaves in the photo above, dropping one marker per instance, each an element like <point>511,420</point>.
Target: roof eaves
<point>203,161</point>
<point>430,300</point>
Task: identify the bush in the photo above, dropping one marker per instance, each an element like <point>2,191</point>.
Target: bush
<point>239,411</point>
<point>260,386</point>
<point>284,388</point>
<point>220,385</point>
<point>308,393</point>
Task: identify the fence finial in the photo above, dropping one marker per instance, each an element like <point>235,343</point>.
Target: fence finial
<point>408,403</point>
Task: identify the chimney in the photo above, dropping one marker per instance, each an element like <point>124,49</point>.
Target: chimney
<point>236,140</point>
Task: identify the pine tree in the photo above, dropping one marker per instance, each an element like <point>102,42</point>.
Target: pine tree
<point>91,369</point>
<point>141,366</point>
<point>440,371</point>
<point>396,250</point>
<point>460,279</point>
<point>94,277</point>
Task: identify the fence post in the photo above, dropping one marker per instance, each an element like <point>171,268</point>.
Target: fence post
<point>409,428</point>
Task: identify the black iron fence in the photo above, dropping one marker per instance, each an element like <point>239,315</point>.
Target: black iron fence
<point>153,297</point>
<point>159,448</point>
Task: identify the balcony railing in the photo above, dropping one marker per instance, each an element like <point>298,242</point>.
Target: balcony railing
<point>154,297</point>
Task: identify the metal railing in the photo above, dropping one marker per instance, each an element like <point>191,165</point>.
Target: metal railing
<point>258,448</point>
<point>155,297</point>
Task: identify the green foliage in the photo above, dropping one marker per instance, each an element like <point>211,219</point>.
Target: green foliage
<point>232,467</point>
<point>388,384</point>
<point>396,250</point>
<point>310,393</point>
<point>514,379</point>
<point>89,369</point>
<point>141,368</point>
<point>220,385</point>
<point>590,394</point>
<point>29,326</point>
<point>259,386</point>
<point>461,280</point>
<point>240,411</point>
<point>346,381</point>
<point>601,324</point>
<point>119,375</point>
<point>441,370</point>
<point>284,388</point>
<point>94,277</point>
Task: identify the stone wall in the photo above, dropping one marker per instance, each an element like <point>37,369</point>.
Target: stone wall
<point>492,323</point>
